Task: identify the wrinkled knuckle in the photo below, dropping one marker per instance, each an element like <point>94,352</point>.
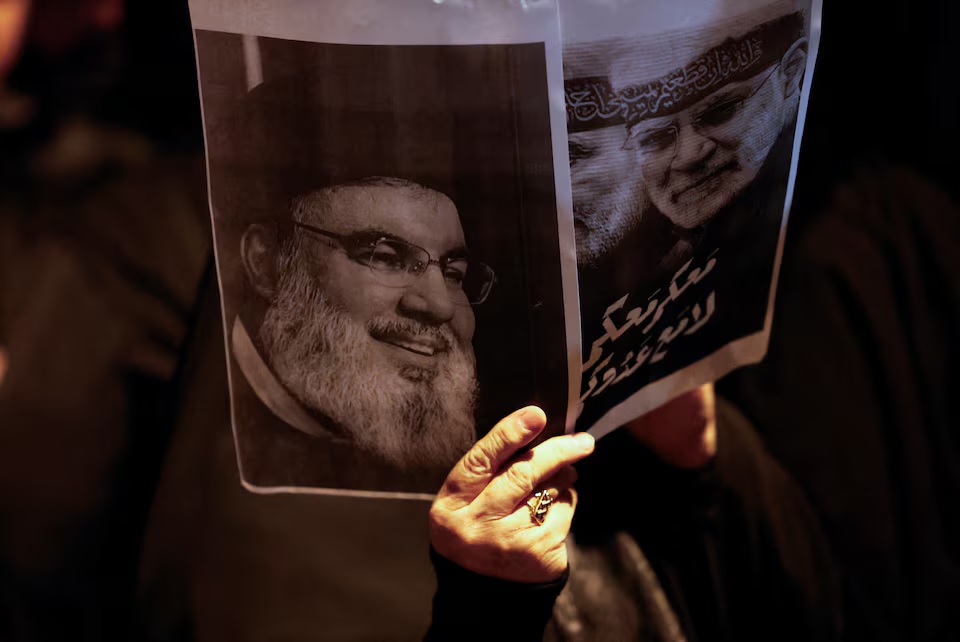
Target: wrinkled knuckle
<point>438,515</point>
<point>532,470</point>
<point>496,441</point>
<point>476,462</point>
<point>522,476</point>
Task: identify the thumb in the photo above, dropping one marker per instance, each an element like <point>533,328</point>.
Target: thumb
<point>482,462</point>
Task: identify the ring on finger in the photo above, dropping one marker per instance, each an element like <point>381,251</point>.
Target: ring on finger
<point>539,504</point>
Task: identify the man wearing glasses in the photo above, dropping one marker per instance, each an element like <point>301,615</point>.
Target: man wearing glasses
<point>705,131</point>
<point>680,145</point>
<point>678,132</point>
<point>363,352</point>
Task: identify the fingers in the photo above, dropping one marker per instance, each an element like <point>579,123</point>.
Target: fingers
<point>476,468</point>
<point>558,488</point>
<point>528,472</point>
<point>564,478</point>
<point>514,548</point>
<point>557,521</point>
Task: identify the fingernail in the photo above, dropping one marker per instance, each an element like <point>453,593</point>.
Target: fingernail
<point>533,418</point>
<point>585,440</point>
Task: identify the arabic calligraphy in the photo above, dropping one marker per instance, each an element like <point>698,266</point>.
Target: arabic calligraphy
<point>594,102</point>
<point>600,368</point>
<point>687,84</point>
<point>592,99</point>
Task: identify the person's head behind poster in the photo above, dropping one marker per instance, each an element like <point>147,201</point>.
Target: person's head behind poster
<point>684,128</point>
<point>355,322</point>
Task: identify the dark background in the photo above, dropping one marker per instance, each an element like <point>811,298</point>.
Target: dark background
<point>471,121</point>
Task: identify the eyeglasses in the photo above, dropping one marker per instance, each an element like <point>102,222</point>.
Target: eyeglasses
<point>658,141</point>
<point>398,264</point>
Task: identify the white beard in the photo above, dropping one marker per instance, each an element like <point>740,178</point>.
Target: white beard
<point>411,418</point>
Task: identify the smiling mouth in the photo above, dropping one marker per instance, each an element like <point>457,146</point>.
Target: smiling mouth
<point>416,347</point>
<point>709,178</point>
<point>424,345</point>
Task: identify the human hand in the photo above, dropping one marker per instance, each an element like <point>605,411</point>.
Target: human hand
<point>480,518</point>
<point>682,432</point>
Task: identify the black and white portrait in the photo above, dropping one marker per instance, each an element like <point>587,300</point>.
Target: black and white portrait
<point>387,244</point>
<point>680,148</point>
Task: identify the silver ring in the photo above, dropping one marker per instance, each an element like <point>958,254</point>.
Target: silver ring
<point>539,504</point>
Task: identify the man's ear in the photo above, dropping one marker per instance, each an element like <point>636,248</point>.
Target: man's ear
<point>792,66</point>
<point>258,251</point>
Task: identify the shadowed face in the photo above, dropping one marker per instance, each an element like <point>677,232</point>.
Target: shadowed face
<point>390,366</point>
<point>606,199</point>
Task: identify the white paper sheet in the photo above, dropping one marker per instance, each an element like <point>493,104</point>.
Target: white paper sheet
<point>623,169</point>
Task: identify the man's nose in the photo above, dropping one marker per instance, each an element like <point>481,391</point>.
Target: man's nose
<point>428,299</point>
<point>693,148</point>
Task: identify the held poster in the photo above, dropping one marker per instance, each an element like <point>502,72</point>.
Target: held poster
<point>429,213</point>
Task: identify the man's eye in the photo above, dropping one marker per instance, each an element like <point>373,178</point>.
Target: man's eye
<point>455,273</point>
<point>387,258</point>
<point>580,152</point>
<point>657,140</point>
<point>720,113</point>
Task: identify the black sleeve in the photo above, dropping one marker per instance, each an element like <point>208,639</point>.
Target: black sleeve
<point>469,606</point>
<point>857,396</point>
<point>778,575</point>
<point>735,545</point>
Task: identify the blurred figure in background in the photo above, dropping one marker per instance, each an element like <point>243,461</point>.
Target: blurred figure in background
<point>103,243</point>
<point>856,395</point>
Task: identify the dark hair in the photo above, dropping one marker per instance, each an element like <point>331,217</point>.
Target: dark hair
<point>308,132</point>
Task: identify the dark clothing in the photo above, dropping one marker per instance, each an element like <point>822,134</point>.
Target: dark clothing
<point>465,600</point>
<point>729,552</point>
<point>857,397</point>
<point>101,257</point>
<point>222,563</point>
